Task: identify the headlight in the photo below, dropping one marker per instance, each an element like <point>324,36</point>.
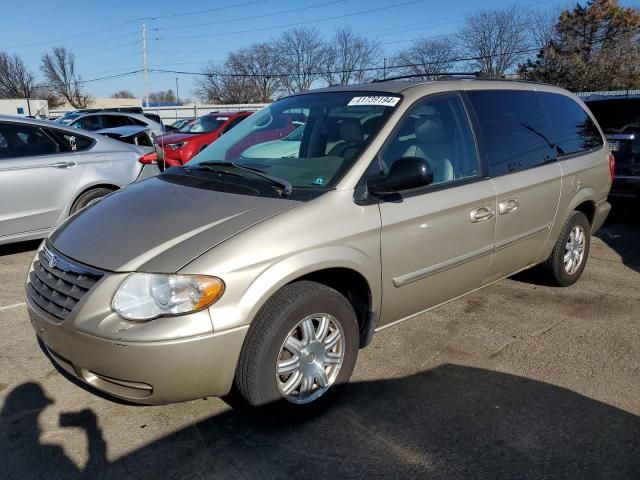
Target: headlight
<point>176,146</point>
<point>143,296</point>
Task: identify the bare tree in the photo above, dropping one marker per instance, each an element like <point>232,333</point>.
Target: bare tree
<point>427,57</point>
<point>44,92</point>
<point>163,96</point>
<point>496,40</point>
<point>350,58</point>
<point>542,26</point>
<point>222,85</point>
<point>58,68</point>
<point>258,63</point>
<point>123,94</point>
<point>301,54</point>
<point>16,81</point>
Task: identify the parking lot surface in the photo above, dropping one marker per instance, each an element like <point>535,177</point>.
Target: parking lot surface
<point>519,380</point>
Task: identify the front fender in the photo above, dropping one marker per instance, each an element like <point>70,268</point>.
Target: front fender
<point>235,312</point>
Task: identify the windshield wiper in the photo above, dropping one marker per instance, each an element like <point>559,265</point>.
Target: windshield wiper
<point>286,187</point>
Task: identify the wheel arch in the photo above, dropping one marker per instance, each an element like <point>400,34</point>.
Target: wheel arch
<point>345,269</point>
<point>88,188</point>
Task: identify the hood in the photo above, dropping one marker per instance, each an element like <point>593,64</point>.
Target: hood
<point>168,138</point>
<point>159,226</point>
<point>273,149</point>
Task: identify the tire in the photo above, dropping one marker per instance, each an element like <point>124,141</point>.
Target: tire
<point>87,197</point>
<point>554,266</point>
<point>283,316</point>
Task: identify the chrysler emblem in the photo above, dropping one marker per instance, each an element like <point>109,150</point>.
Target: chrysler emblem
<point>50,257</point>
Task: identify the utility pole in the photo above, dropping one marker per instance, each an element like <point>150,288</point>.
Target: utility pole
<point>144,61</point>
<point>177,92</point>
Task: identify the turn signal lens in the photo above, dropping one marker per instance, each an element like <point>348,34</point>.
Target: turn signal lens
<point>144,296</point>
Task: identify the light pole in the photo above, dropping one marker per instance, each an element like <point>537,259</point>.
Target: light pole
<point>177,92</point>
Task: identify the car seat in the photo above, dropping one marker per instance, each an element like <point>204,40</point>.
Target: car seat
<point>351,136</point>
<point>432,145</point>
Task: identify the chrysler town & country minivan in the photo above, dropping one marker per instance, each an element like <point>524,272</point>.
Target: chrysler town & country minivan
<point>266,275</point>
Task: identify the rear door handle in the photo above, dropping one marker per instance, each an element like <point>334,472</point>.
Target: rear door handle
<point>481,214</point>
<point>508,206</point>
<point>63,164</point>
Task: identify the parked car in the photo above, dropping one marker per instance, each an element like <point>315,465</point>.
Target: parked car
<point>181,146</point>
<point>101,120</point>
<point>140,136</point>
<point>49,172</point>
<point>620,119</point>
<point>68,117</point>
<point>178,124</point>
<point>268,274</point>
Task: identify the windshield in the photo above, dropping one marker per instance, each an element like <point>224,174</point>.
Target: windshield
<point>308,140</point>
<point>204,124</point>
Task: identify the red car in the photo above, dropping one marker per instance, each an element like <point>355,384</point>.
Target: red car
<point>181,146</point>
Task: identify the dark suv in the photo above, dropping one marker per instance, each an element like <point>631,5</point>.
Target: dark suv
<point>619,118</point>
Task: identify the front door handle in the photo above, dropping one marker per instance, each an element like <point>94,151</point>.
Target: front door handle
<point>508,206</point>
<point>63,164</point>
<point>481,214</point>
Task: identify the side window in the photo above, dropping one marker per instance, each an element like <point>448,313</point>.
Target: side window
<point>112,121</point>
<point>91,123</point>
<point>515,128</point>
<point>71,142</point>
<point>436,129</point>
<point>233,123</point>
<point>25,140</point>
<point>4,145</point>
<point>573,128</point>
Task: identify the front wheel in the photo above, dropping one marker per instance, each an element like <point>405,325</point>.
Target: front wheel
<point>300,348</point>
<point>569,256</point>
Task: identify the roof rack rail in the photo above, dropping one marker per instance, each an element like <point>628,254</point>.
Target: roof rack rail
<point>436,76</point>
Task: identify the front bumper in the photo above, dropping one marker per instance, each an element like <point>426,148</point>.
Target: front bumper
<point>143,372</point>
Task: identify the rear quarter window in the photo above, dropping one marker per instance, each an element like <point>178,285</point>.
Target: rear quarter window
<point>516,131</point>
<point>574,130</point>
<point>71,142</point>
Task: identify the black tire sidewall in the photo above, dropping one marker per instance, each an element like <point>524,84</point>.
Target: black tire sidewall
<point>562,277</point>
<point>330,302</point>
<point>84,199</point>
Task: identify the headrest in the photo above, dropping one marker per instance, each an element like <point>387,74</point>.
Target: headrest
<point>430,129</point>
<point>351,130</point>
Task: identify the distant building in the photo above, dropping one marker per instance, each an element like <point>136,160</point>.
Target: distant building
<point>24,107</point>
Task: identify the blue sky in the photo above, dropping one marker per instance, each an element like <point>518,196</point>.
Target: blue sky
<point>106,36</point>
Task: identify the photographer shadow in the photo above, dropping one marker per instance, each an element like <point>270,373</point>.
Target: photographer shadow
<point>24,456</point>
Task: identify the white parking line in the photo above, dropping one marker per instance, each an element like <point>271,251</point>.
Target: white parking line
<point>15,305</point>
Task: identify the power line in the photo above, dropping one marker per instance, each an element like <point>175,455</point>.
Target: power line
<point>208,10</point>
<point>278,27</point>
<point>253,17</point>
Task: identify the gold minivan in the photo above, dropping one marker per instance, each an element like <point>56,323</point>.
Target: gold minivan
<point>265,273</point>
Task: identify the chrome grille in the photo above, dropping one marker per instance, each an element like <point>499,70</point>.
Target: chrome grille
<point>56,284</point>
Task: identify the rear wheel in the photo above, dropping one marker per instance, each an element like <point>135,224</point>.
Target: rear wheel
<point>300,348</point>
<point>88,197</point>
<point>569,257</point>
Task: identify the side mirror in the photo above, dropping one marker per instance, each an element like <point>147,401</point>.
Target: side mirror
<point>405,174</point>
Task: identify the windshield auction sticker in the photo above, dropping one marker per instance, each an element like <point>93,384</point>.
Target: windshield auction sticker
<point>374,100</point>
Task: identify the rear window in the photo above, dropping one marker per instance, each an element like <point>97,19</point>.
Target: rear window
<point>515,129</point>
<point>617,116</point>
<point>573,129</point>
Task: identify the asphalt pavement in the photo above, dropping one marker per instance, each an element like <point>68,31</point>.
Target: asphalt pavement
<point>518,380</point>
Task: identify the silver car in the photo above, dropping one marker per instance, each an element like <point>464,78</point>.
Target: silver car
<point>266,275</point>
<point>48,172</point>
<point>105,119</point>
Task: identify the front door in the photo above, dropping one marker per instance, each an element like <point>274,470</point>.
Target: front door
<point>435,243</point>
